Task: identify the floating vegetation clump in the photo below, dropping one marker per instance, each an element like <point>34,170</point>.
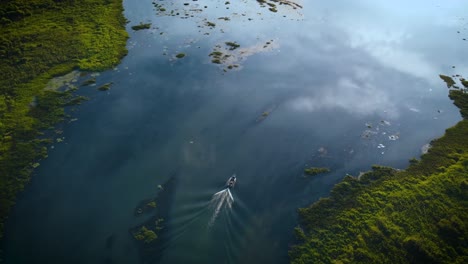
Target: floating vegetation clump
<point>312,171</point>
<point>180,55</point>
<point>210,24</point>
<point>232,45</point>
<point>273,6</point>
<point>141,26</point>
<point>231,55</point>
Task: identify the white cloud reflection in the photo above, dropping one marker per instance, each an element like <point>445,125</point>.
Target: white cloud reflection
<point>388,48</point>
<point>346,94</point>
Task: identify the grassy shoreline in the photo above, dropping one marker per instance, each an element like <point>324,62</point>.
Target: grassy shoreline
<point>39,40</point>
<point>418,215</point>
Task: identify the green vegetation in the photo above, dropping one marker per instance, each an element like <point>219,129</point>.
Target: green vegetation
<point>105,86</point>
<point>418,215</point>
<point>151,204</point>
<point>464,82</point>
<point>180,55</point>
<point>210,24</point>
<point>232,45</point>
<point>39,40</point>
<point>141,26</point>
<point>448,80</point>
<point>146,235</point>
<point>315,170</point>
<point>216,54</point>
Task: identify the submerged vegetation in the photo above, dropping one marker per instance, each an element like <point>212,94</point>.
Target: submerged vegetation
<point>150,234</point>
<point>105,86</point>
<point>39,40</point>
<point>312,171</point>
<point>89,82</point>
<point>418,215</point>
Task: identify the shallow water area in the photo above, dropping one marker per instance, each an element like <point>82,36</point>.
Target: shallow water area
<point>339,86</point>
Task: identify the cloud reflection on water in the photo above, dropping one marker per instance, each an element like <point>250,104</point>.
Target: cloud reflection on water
<point>348,95</point>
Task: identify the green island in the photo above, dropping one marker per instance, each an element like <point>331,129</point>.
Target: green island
<point>312,171</point>
<point>417,215</point>
<point>39,40</point>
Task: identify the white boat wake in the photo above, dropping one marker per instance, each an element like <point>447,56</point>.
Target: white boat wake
<point>220,200</point>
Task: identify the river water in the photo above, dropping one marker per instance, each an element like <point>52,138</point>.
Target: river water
<point>331,84</point>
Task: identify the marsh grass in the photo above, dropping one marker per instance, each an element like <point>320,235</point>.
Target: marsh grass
<point>40,40</point>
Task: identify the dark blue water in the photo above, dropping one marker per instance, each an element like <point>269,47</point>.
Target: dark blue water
<point>346,86</point>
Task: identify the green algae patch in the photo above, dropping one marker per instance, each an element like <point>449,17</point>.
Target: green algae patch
<point>142,26</point>
<point>312,171</point>
<point>417,215</point>
<point>41,40</point>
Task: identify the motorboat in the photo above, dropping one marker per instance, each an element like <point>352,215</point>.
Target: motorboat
<point>231,181</point>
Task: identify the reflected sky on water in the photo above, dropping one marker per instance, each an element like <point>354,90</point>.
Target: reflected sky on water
<point>340,85</point>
